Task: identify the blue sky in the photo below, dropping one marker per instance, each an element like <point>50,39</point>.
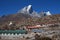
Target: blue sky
<point>12,6</point>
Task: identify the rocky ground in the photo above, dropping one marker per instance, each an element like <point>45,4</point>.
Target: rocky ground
<point>48,34</point>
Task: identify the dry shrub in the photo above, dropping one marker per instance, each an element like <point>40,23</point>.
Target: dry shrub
<point>37,37</point>
<point>45,38</point>
<point>56,36</point>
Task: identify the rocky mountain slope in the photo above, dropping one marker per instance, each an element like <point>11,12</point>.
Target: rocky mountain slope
<point>25,19</point>
<point>27,16</point>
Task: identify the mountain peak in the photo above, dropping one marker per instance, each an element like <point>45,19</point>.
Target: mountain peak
<point>26,9</point>
<point>29,10</point>
<point>48,13</point>
<point>29,6</point>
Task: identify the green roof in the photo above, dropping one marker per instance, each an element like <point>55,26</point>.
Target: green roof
<point>13,31</point>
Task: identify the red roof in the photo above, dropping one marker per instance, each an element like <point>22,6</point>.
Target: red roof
<point>33,27</point>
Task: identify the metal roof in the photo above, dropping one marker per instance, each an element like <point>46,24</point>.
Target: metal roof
<point>13,31</point>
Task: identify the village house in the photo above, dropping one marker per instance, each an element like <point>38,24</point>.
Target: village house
<point>29,28</point>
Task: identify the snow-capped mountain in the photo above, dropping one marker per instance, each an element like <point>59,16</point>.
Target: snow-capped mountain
<point>29,10</point>
<point>42,14</point>
<point>48,13</point>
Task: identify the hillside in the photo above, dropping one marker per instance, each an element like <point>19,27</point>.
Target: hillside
<point>20,19</point>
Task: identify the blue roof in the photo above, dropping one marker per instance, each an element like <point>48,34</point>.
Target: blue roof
<point>37,30</point>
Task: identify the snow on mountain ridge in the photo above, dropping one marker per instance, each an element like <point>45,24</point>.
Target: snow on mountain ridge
<point>29,10</point>
<point>48,13</point>
<point>29,7</point>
